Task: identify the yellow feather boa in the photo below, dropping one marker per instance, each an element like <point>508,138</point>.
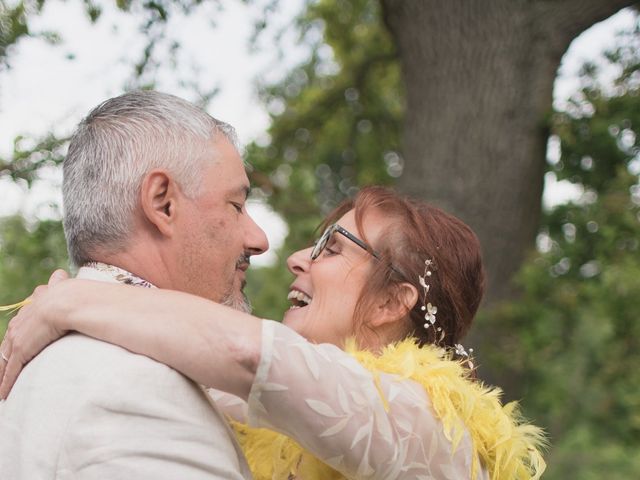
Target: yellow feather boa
<point>15,307</point>
<point>508,448</point>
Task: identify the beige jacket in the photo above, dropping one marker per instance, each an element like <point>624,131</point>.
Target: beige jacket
<point>88,410</point>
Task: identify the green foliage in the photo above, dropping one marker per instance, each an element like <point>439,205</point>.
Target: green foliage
<point>267,288</point>
<point>336,125</point>
<point>160,48</point>
<point>30,156</point>
<point>14,24</point>
<point>335,118</point>
<point>28,255</point>
<point>567,347</point>
<point>570,345</point>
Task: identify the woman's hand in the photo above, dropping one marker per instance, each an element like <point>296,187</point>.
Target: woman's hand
<point>213,345</point>
<point>28,333</point>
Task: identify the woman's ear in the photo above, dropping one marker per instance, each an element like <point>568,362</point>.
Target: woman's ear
<point>158,198</point>
<point>395,305</point>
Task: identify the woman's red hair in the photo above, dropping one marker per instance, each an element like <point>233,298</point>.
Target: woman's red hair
<point>417,231</point>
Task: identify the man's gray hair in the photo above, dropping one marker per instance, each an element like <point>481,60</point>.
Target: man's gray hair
<point>112,150</point>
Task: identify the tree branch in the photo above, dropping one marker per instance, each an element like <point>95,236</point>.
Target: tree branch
<point>572,17</point>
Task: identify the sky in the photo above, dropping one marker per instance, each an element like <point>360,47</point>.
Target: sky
<point>50,88</point>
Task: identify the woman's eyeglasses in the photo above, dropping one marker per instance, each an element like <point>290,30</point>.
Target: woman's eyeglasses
<point>321,244</point>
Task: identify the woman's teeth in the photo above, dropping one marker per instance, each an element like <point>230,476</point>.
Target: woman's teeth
<point>298,299</point>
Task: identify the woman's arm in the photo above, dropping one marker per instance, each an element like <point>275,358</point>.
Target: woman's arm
<point>317,394</point>
<point>212,344</point>
<point>366,424</point>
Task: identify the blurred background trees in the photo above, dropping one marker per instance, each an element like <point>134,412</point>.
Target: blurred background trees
<point>30,251</point>
<point>463,120</point>
<point>569,343</point>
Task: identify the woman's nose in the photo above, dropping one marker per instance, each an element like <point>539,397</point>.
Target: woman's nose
<point>299,262</point>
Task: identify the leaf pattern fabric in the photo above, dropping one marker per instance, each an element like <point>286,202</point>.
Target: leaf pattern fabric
<point>364,426</point>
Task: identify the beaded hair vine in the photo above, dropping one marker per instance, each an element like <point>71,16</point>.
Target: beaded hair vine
<point>431,310</point>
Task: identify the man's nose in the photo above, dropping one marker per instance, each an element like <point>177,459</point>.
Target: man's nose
<point>256,241</point>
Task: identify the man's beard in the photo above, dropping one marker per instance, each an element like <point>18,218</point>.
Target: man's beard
<point>238,300</point>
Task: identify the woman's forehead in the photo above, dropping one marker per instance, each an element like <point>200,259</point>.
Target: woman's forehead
<point>373,222</point>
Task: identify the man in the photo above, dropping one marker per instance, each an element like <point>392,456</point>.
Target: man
<point>154,195</point>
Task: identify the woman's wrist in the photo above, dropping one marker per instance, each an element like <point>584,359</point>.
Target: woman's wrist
<point>58,310</point>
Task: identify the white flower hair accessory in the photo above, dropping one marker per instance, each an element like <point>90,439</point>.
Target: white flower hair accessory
<point>429,309</point>
<point>461,352</point>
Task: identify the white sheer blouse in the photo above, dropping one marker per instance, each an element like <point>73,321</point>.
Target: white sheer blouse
<point>325,400</point>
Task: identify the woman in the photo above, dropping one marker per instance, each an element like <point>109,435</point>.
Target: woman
<point>401,278</point>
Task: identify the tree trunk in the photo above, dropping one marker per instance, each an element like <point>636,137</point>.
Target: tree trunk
<point>479,81</point>
<point>479,77</point>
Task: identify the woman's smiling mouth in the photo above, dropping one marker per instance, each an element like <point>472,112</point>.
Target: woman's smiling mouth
<point>298,299</point>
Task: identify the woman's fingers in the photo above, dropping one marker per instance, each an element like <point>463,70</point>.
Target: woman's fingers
<point>58,276</point>
<point>4,359</point>
<point>26,336</point>
<point>12,368</point>
<point>5,356</point>
<point>39,290</point>
<point>17,346</point>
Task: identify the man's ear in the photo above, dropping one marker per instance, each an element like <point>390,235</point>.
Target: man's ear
<point>395,305</point>
<point>159,197</point>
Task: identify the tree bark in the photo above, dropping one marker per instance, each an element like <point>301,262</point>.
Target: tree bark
<point>479,78</point>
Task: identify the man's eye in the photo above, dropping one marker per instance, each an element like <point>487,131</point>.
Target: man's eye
<point>330,251</point>
<point>237,206</point>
